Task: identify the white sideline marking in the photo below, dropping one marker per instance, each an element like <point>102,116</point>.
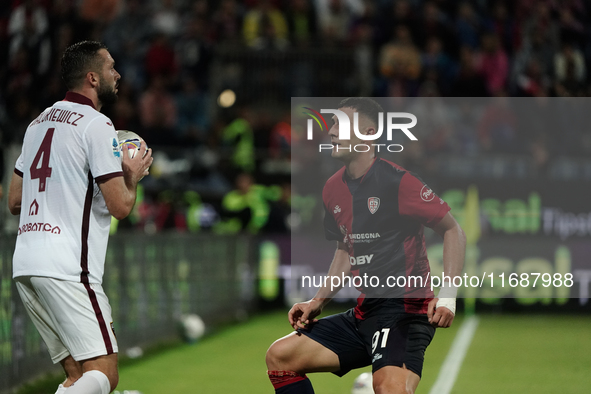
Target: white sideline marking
<point>451,366</point>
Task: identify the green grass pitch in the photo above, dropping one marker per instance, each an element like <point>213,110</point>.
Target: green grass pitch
<point>509,354</point>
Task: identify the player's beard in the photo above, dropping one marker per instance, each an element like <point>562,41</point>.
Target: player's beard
<point>106,94</point>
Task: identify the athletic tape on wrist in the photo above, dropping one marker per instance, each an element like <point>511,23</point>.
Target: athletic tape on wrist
<point>447,297</point>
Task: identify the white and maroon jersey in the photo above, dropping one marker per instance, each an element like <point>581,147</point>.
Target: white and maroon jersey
<point>64,220</point>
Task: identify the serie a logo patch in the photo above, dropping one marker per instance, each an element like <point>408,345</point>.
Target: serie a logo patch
<point>115,145</point>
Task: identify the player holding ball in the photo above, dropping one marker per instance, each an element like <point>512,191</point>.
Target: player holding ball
<point>69,179</point>
<point>390,328</point>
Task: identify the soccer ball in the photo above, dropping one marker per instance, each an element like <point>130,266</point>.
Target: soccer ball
<point>192,327</point>
<point>131,140</point>
<point>363,384</point>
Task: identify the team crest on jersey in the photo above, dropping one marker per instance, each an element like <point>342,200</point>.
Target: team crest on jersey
<point>373,203</point>
<point>115,146</point>
<point>427,194</point>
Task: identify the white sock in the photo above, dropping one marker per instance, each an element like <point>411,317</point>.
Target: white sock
<point>61,389</point>
<point>91,382</point>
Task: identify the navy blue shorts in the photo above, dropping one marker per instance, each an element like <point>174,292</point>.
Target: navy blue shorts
<point>380,340</point>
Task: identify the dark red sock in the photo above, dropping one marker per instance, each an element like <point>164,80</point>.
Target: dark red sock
<point>289,382</point>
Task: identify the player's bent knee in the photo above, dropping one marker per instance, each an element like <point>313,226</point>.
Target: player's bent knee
<point>277,357</point>
<point>390,386</point>
<point>284,355</point>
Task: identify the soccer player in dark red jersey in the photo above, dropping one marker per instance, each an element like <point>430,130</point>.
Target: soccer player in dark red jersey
<point>378,227</point>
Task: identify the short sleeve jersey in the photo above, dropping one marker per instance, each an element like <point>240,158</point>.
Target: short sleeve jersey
<point>64,221</point>
<point>381,218</point>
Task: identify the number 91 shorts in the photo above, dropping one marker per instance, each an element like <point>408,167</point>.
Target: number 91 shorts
<point>381,340</point>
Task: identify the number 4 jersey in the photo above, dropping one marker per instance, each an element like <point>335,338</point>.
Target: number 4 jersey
<point>64,221</point>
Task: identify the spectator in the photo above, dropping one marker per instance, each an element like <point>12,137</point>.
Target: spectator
<point>64,21</point>
<point>434,24</point>
<point>160,59</point>
<point>199,10</point>
<point>571,29</point>
<point>468,26</point>
<point>364,57</point>
<point>396,14</point>
<point>541,22</point>
<point>166,19</point>
<point>125,116</point>
<point>158,113</point>
<point>436,61</point>
<point>128,40</point>
<point>193,121</point>
<point>96,15</point>
<point>492,62</point>
<point>532,82</point>
<point>505,27</point>
<point>36,43</point>
<point>280,139</point>
<point>265,27</point>
<point>194,52</point>
<point>536,52</point>
<point>336,17</point>
<point>226,23</point>
<point>468,82</point>
<point>28,28</point>
<point>570,71</point>
<point>21,114</point>
<point>400,63</point>
<point>247,207</point>
<point>301,20</point>
<point>239,137</point>
<point>29,12</point>
<point>21,73</point>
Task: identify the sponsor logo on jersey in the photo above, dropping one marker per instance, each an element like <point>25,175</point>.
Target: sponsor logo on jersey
<point>46,227</point>
<point>34,208</point>
<point>115,146</point>
<point>360,260</point>
<point>337,209</point>
<point>427,194</point>
<point>373,203</point>
<point>364,236</point>
<point>376,357</point>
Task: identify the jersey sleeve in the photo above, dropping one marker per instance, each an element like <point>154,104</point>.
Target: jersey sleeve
<point>102,148</point>
<point>19,166</point>
<point>418,201</point>
<point>331,229</point>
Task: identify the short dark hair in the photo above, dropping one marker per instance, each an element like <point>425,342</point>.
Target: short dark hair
<point>78,59</point>
<point>364,106</point>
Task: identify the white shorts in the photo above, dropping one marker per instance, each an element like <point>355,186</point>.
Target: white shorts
<point>72,318</point>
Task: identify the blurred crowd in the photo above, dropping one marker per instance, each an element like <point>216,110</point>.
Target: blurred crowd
<point>166,52</point>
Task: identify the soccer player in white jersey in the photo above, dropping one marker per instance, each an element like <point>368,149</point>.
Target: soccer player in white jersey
<point>68,181</point>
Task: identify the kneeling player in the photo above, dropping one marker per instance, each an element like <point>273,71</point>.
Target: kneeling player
<point>390,328</point>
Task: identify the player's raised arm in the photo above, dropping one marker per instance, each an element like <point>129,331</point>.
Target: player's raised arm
<point>442,310</point>
<point>15,194</point>
<point>304,313</point>
<point>120,192</point>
